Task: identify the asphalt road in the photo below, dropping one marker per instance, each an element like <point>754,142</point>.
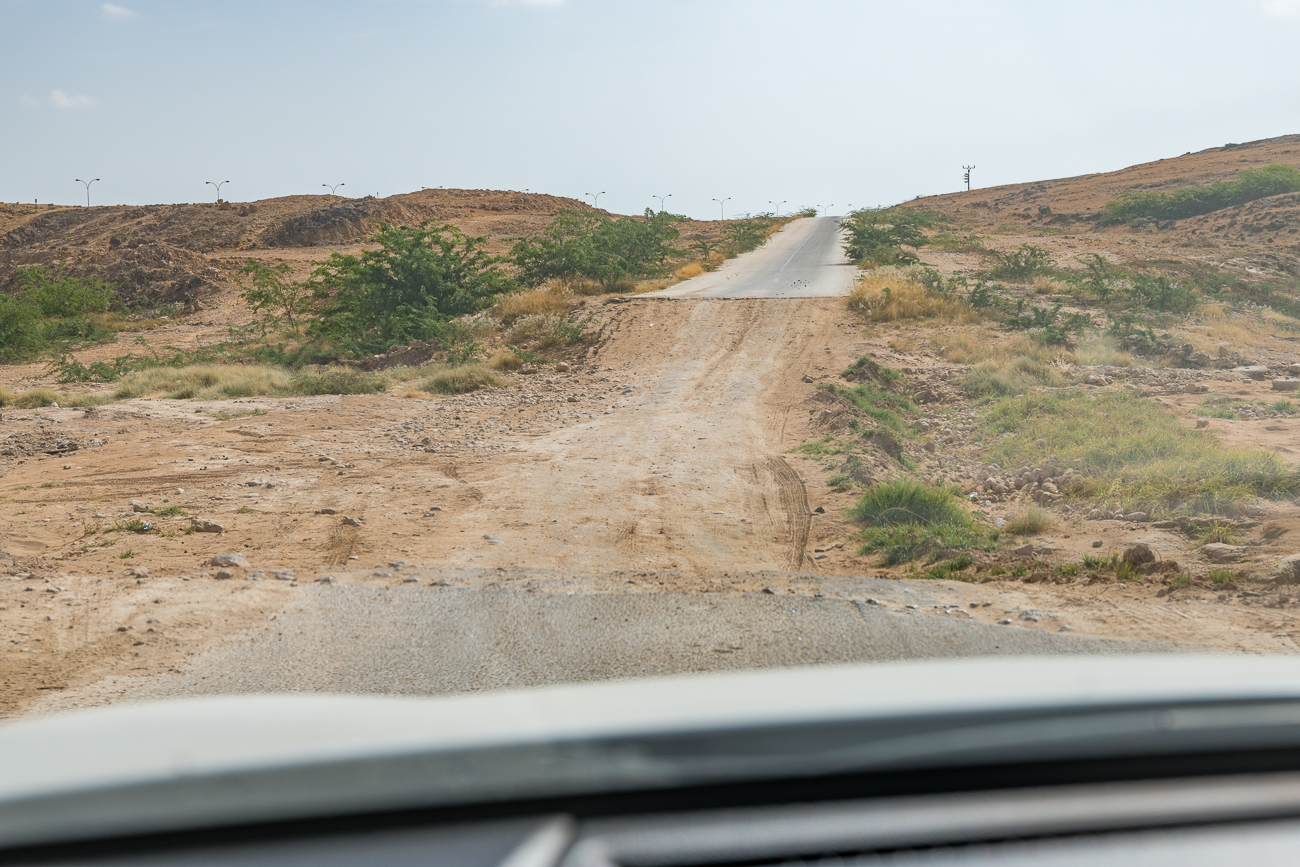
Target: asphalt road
<point>803,260</point>
<point>425,640</point>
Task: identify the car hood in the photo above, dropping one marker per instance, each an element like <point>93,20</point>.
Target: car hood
<point>206,762</point>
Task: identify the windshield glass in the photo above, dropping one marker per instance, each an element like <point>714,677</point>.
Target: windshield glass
<point>444,347</point>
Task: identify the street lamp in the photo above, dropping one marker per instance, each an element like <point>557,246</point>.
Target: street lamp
<point>778,205</point>
<point>595,197</point>
<point>218,186</point>
<point>87,183</point>
<point>333,187</point>
<point>721,206</point>
<point>661,200</point>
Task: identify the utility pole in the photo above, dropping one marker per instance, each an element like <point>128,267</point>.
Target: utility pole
<point>595,197</point>
<point>333,187</point>
<point>661,200</point>
<point>218,186</point>
<point>87,183</point>
<point>968,170</point>
<point>722,209</point>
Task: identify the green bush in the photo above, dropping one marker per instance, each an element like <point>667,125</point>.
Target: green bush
<point>589,244</point>
<point>1021,264</point>
<point>462,378</point>
<point>1250,185</point>
<point>335,381</point>
<point>20,331</point>
<point>406,289</point>
<point>57,294</point>
<point>876,236</point>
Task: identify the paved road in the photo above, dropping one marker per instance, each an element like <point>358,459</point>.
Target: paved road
<point>436,640</point>
<point>803,260</point>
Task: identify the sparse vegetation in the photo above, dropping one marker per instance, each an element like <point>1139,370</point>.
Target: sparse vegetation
<point>1031,520</point>
<point>877,236</point>
<point>1248,186</point>
<point>590,245</point>
<point>889,294</point>
<point>1134,451</point>
<point>461,379</point>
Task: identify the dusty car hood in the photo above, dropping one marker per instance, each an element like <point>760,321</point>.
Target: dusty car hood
<point>206,762</point>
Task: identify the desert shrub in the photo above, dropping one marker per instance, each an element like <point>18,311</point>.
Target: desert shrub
<point>590,245</point>
<point>505,361</point>
<point>206,382</point>
<point>58,294</point>
<point>547,331</point>
<point>337,381</point>
<point>1021,263</point>
<point>905,518</point>
<point>1160,293</point>
<point>1132,450</point>
<point>276,302</point>
<point>20,332</point>
<point>405,290</point>
<point>876,236</point>
<point>461,379</point>
<point>1250,185</point>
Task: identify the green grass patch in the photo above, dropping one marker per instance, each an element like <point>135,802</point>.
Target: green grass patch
<point>1131,450</point>
<point>167,511</point>
<point>1017,377</point>
<point>904,519</point>
<point>1250,185</point>
<point>876,403</point>
<point>337,381</point>
<point>840,483</point>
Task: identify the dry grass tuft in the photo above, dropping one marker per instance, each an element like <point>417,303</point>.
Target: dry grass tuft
<point>892,294</point>
<point>462,378</point>
<point>689,270</point>
<point>551,300</point>
<point>416,394</point>
<point>1047,286</point>
<point>505,361</point>
<point>1030,521</point>
<point>1100,349</point>
<point>206,382</point>
<point>36,398</point>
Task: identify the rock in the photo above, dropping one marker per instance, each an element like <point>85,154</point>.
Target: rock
<point>1202,422</point>
<point>1218,552</point>
<point>1192,388</point>
<point>1096,543</point>
<point>769,591</point>
<point>807,378</point>
<point>1137,517</point>
<point>1288,570</point>
<point>1165,525</point>
<point>328,510</point>
<point>1138,554</point>
<point>138,572</point>
<point>572,399</point>
<point>562,367</point>
<point>137,506</point>
<point>1199,359</point>
<point>1286,384</point>
<point>1293,369</point>
<point>203,525</point>
<point>325,579</point>
<point>282,574</point>
<point>352,522</point>
<point>1096,379</point>
<point>1023,550</point>
<point>237,560</point>
<point>1254,371</point>
<point>223,574</point>
<point>820,510</point>
<point>1050,488</point>
<point>1096,515</point>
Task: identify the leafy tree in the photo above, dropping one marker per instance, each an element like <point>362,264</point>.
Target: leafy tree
<point>876,236</point>
<point>591,245</point>
<point>277,302</point>
<point>417,280</point>
<point>20,332</point>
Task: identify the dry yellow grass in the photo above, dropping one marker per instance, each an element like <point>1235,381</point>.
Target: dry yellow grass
<point>689,270</point>
<point>206,382</point>
<point>505,361</point>
<point>416,394</point>
<point>551,300</point>
<point>36,398</point>
<point>1211,325</point>
<point>1100,349</point>
<point>894,294</point>
<point>1047,286</point>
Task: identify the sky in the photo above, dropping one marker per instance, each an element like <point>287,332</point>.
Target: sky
<point>760,103</point>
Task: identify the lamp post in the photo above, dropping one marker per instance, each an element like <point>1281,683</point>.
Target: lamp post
<point>595,198</point>
<point>333,187</point>
<point>661,200</point>
<point>87,183</point>
<point>218,186</point>
<point>722,209</point>
<point>778,206</point>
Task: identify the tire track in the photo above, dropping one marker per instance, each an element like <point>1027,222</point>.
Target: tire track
<point>794,502</point>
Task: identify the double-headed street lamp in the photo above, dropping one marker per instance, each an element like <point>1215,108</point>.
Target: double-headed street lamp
<point>595,197</point>
<point>333,187</point>
<point>722,206</point>
<point>661,200</point>
<point>87,183</point>
<point>778,206</point>
<point>218,186</point>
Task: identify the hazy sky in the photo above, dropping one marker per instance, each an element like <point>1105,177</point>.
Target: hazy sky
<point>812,102</point>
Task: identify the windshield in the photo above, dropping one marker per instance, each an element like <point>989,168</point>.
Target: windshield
<point>445,347</point>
